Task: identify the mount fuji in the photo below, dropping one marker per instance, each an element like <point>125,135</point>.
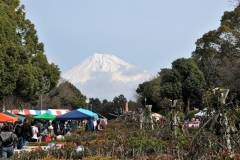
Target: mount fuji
<point>106,76</point>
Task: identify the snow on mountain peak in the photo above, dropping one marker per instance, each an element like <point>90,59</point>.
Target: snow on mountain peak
<point>107,71</point>
<point>106,63</point>
<point>95,64</point>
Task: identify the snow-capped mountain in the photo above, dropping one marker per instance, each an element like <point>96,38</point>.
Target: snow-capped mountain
<point>105,76</point>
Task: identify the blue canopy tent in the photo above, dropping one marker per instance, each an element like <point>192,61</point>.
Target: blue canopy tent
<point>74,115</point>
<point>88,112</point>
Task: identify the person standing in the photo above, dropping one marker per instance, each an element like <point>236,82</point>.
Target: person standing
<point>47,133</point>
<point>99,126</point>
<point>35,132</point>
<point>19,133</point>
<point>39,125</point>
<point>56,130</point>
<point>69,127</point>
<point>9,141</point>
<point>74,125</point>
<point>45,125</point>
<point>27,132</point>
<point>90,125</point>
<point>65,128</point>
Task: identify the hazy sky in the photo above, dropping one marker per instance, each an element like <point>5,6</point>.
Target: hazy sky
<point>145,33</point>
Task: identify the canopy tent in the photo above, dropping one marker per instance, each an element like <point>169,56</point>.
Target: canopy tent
<point>26,112</point>
<point>58,112</point>
<point>158,116</point>
<point>55,112</point>
<point>204,112</point>
<point>74,115</point>
<point>45,116</point>
<point>200,114</point>
<point>20,118</point>
<point>88,112</point>
<point>7,118</point>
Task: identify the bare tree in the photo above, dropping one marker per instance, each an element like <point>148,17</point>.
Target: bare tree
<point>234,3</point>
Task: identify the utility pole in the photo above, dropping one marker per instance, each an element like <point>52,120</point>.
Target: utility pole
<point>87,101</point>
<point>42,92</point>
<point>145,99</point>
<point>41,101</point>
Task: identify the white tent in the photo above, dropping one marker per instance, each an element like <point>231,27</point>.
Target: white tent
<point>200,114</point>
<point>203,113</point>
<point>157,116</point>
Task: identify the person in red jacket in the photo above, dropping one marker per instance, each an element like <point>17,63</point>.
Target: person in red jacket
<point>99,126</point>
<point>48,138</point>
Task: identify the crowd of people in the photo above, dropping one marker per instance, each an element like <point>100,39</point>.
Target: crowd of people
<point>18,134</point>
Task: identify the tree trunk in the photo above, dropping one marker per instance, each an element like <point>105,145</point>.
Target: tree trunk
<point>229,147</point>
<point>2,104</point>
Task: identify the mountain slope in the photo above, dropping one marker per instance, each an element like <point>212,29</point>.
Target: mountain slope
<point>106,76</point>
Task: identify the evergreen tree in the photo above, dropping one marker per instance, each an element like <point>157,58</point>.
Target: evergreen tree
<point>183,81</point>
<point>95,104</point>
<point>151,91</point>
<point>119,104</point>
<point>64,96</point>
<point>24,70</point>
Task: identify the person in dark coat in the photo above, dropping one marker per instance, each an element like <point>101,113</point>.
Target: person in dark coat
<point>74,125</point>
<point>56,128</point>
<point>19,133</point>
<point>27,132</point>
<point>90,126</point>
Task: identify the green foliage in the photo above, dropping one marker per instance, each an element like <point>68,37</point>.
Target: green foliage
<point>182,140</point>
<point>9,51</point>
<point>118,141</point>
<point>173,90</point>
<point>37,144</point>
<point>132,106</point>
<point>65,96</point>
<point>151,91</point>
<point>95,104</point>
<point>182,81</point>
<point>191,77</point>
<point>181,115</point>
<point>119,104</point>
<point>217,52</point>
<point>106,108</point>
<point>24,69</point>
<point>192,130</point>
<point>191,113</point>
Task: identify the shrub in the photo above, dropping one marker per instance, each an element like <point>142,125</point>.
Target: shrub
<point>191,113</point>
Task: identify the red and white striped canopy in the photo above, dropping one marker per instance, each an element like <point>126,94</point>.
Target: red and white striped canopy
<point>55,112</point>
